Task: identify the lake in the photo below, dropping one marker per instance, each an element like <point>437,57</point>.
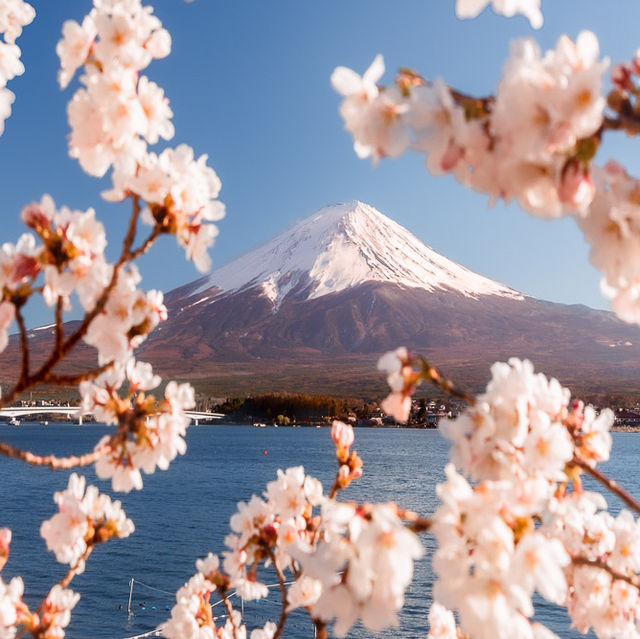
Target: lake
<point>183,513</point>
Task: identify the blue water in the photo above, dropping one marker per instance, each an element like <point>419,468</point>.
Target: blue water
<point>183,513</point>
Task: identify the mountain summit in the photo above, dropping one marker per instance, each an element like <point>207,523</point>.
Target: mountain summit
<point>343,246</point>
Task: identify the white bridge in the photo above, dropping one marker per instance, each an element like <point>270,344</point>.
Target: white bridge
<point>71,412</point>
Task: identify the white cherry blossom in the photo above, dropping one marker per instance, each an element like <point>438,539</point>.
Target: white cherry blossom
<point>529,8</point>
<point>82,511</point>
<point>10,601</point>
<point>56,612</point>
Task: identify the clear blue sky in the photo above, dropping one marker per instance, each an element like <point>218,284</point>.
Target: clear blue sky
<point>248,82</point>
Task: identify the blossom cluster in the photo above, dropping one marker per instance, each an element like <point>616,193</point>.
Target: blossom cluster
<point>150,434</point>
<point>597,598</point>
<point>116,109</point>
<point>529,8</point>
<point>11,605</point>
<point>271,529</point>
<point>53,616</point>
<point>349,562</point>
<point>533,142</point>
<point>363,563</point>
<point>14,14</point>
<point>524,144</point>
<point>525,524</point>
<point>70,258</point>
<point>117,112</point>
<point>612,228</point>
<point>85,517</point>
<point>192,616</point>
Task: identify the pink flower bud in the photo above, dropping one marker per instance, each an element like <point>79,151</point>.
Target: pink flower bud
<point>621,77</point>
<point>451,156</point>
<point>23,266</point>
<point>577,408</point>
<point>342,434</point>
<point>5,541</point>
<point>614,169</point>
<point>576,187</point>
<point>35,217</point>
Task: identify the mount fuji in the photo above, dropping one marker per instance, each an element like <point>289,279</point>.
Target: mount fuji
<point>341,247</point>
<point>313,309</point>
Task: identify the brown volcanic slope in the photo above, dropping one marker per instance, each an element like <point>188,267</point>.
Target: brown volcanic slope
<point>332,343</point>
<point>313,309</point>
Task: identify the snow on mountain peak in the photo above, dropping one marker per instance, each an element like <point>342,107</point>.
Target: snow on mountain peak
<point>341,246</point>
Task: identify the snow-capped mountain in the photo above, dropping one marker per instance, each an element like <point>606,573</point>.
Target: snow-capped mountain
<point>340,247</point>
<point>314,308</point>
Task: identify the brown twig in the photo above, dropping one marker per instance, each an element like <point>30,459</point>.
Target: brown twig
<point>146,245</point>
<point>335,488</point>
<point>432,374</point>
<point>628,120</point>
<point>321,628</point>
<point>417,523</point>
<point>597,563</point>
<point>72,572</point>
<point>610,484</point>
<point>283,594</point>
<point>74,380</point>
<point>43,617</point>
<point>53,462</point>
<point>229,609</point>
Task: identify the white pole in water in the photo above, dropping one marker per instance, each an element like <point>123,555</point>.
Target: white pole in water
<point>130,593</point>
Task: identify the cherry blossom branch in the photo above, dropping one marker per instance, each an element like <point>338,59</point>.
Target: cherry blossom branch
<point>104,298</point>
<point>417,524</point>
<point>628,119</point>
<point>633,580</point>
<point>610,484</point>
<point>62,350</point>
<point>431,374</point>
<point>53,462</point>
<point>229,609</point>
<point>73,571</point>
<point>321,629</point>
<point>146,245</point>
<point>283,594</point>
<point>74,380</point>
